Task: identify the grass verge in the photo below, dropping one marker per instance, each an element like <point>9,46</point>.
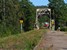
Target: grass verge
<point>24,41</point>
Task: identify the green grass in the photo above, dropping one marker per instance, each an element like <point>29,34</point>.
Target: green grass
<point>24,41</point>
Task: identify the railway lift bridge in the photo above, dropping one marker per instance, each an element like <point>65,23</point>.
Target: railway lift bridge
<point>42,11</point>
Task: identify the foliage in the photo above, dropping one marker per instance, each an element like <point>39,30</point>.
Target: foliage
<point>59,10</point>
<point>28,13</point>
<point>63,29</point>
<point>10,13</point>
<point>43,19</point>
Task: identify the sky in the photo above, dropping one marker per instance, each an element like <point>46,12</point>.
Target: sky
<point>41,2</point>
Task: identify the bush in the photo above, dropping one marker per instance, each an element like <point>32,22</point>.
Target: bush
<point>8,30</point>
<point>63,28</point>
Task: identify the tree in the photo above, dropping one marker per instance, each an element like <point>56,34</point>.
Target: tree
<point>29,14</point>
<point>8,16</point>
<point>14,10</point>
<point>57,7</point>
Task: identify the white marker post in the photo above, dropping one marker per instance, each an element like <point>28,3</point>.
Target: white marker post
<point>21,22</point>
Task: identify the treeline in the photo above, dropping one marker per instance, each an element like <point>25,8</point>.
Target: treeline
<point>12,10</point>
<point>59,12</point>
<point>10,13</point>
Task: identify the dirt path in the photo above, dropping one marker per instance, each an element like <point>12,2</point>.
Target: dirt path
<point>53,41</point>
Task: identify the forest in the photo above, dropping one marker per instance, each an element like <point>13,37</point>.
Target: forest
<point>11,11</point>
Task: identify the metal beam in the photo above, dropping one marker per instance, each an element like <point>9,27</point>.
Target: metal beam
<point>41,11</point>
